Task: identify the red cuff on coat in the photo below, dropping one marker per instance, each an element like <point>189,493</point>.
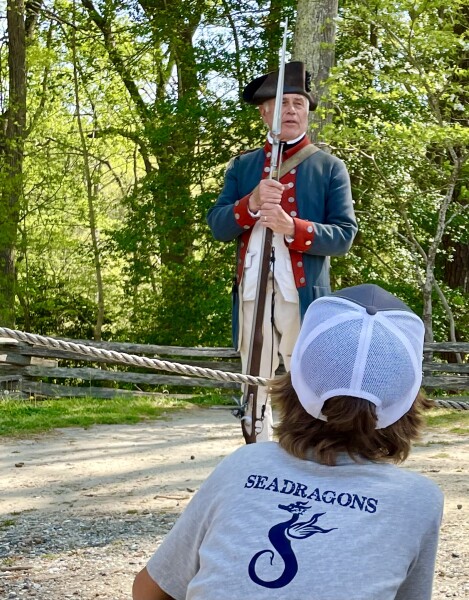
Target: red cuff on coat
<point>242,214</point>
<point>304,235</point>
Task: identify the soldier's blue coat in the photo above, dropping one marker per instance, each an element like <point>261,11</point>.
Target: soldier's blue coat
<point>323,197</point>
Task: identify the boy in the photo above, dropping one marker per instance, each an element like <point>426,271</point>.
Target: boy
<point>322,514</point>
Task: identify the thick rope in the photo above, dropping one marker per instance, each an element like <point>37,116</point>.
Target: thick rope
<point>131,359</point>
<point>447,403</point>
<point>154,363</point>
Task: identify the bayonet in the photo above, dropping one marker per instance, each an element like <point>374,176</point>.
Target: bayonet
<point>277,120</point>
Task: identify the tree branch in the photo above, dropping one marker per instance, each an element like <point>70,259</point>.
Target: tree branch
<point>106,29</point>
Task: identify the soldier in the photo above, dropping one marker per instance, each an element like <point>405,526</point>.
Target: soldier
<point>310,212</point>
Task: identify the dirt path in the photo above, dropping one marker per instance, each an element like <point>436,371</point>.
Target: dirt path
<point>82,510</point>
<point>116,468</point>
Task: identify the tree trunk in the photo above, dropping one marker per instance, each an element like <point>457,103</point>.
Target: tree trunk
<point>456,270</point>
<point>273,34</point>
<point>314,44</point>
<point>12,152</point>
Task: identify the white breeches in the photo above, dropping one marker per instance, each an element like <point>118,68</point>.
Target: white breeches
<point>278,340</point>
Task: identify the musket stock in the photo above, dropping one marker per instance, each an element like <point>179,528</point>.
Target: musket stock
<point>257,337</point>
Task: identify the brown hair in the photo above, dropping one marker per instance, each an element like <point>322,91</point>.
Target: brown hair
<point>350,427</point>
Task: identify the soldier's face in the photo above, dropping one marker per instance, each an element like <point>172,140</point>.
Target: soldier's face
<point>295,110</point>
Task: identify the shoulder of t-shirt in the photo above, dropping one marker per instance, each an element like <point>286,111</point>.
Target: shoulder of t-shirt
<point>252,452</point>
<point>419,485</point>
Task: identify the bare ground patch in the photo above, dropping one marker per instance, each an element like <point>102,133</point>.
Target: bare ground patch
<point>82,510</point>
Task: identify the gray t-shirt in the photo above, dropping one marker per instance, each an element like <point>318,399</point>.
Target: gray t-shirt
<point>268,525</point>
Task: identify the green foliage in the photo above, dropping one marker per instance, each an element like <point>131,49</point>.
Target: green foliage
<point>400,123</point>
<point>57,311</point>
<point>159,95</point>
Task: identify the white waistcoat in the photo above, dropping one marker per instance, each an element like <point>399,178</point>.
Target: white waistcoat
<point>282,268</point>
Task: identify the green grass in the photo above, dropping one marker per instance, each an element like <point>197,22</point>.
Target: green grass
<point>453,421</point>
<point>26,417</point>
<point>20,418</point>
<point>440,455</point>
<point>7,523</point>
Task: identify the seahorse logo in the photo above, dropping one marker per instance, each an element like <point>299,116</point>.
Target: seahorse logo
<point>280,536</point>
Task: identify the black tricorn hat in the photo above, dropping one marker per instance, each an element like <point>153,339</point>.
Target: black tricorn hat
<point>296,81</point>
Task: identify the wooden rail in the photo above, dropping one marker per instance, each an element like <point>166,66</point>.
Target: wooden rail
<point>52,372</point>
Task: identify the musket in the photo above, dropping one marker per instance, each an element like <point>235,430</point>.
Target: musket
<point>257,338</point>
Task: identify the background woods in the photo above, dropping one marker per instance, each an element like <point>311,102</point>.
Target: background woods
<point>117,121</point>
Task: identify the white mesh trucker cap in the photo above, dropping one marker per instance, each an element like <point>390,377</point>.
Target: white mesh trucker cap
<point>360,341</point>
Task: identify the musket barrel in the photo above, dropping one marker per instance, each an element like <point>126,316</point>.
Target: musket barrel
<point>256,340</point>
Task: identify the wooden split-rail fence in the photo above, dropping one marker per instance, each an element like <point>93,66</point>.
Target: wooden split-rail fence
<point>42,370</point>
